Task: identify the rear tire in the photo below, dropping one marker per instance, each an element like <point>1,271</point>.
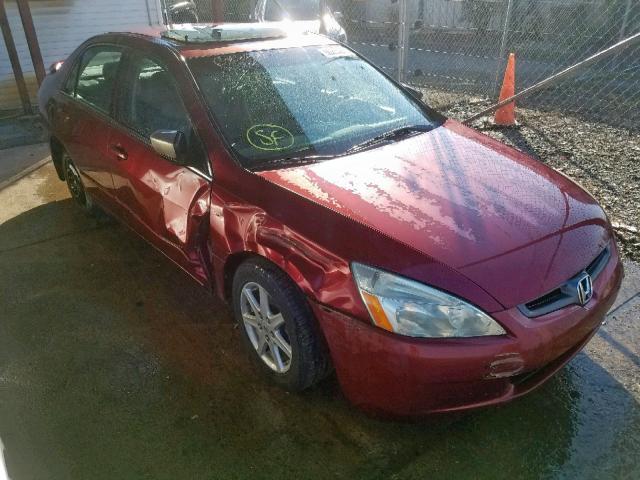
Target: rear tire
<point>278,326</point>
<point>76,187</point>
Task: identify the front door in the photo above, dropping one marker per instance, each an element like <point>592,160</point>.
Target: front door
<point>167,203</point>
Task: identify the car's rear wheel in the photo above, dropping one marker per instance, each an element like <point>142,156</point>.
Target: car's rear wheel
<point>75,185</point>
<point>278,327</point>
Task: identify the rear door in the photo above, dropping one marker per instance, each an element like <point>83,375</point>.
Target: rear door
<point>84,116</point>
<point>167,203</point>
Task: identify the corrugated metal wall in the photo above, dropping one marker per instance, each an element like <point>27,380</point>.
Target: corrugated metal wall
<point>61,26</point>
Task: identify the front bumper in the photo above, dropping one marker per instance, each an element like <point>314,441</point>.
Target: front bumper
<point>389,374</point>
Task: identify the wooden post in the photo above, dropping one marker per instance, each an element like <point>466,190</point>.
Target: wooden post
<point>14,59</point>
<point>32,39</point>
<point>217,8</point>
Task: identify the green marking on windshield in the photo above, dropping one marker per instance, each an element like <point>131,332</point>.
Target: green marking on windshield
<point>270,137</point>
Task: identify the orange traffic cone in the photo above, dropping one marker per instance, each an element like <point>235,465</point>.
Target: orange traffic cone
<point>506,116</point>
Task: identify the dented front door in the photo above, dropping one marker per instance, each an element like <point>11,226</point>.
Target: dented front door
<point>167,203</point>
<point>164,202</point>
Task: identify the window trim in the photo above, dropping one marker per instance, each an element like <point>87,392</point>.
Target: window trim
<point>75,68</point>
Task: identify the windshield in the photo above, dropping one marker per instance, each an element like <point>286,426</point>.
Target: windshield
<point>307,101</point>
<point>277,10</point>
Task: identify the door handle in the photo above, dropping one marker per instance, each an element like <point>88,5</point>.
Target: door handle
<point>62,112</point>
<point>121,153</point>
<point>59,112</point>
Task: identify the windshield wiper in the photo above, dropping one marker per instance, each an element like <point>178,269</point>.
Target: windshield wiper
<point>395,134</point>
<point>293,161</point>
<point>296,161</point>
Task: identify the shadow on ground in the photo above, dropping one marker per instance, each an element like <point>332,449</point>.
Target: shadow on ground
<point>115,364</point>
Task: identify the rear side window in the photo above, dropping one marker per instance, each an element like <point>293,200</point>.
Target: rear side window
<point>97,78</point>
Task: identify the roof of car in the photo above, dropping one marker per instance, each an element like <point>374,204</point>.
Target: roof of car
<point>199,48</point>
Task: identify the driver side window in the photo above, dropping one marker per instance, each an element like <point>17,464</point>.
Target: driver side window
<point>153,103</point>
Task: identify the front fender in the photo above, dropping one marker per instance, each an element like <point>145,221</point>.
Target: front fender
<point>321,275</point>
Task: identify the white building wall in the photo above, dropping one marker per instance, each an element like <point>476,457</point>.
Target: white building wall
<point>62,25</point>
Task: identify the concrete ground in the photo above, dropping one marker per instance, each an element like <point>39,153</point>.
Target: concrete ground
<point>115,365</point>
<point>16,161</point>
<point>18,129</point>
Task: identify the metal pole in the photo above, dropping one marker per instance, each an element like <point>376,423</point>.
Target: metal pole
<point>165,14</point>
<point>560,75</point>
<point>403,39</point>
<point>14,59</point>
<point>32,39</point>
<point>217,9</point>
<point>146,4</point>
<point>625,20</point>
<point>503,45</point>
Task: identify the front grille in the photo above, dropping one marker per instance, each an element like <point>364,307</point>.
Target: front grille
<point>565,294</point>
<point>544,300</point>
<point>595,268</point>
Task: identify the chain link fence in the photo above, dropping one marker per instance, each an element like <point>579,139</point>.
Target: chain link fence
<point>461,47</point>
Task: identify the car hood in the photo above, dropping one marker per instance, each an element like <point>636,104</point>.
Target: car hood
<point>510,224</point>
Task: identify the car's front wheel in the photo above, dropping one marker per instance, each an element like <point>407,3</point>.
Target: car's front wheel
<point>278,326</point>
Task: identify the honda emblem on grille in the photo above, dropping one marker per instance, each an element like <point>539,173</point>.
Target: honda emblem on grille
<point>585,289</point>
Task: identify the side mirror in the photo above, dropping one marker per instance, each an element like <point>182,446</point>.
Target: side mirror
<point>171,144</point>
<point>414,92</point>
<point>55,66</point>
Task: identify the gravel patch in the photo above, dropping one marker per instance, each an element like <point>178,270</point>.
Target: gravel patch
<point>605,160</point>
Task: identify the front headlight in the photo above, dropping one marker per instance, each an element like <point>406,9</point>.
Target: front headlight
<point>410,308</point>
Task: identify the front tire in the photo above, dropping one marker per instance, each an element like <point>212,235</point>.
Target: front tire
<point>278,327</point>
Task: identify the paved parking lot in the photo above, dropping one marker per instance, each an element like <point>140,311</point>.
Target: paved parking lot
<point>114,364</point>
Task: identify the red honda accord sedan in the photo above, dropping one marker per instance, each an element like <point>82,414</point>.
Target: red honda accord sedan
<point>350,226</point>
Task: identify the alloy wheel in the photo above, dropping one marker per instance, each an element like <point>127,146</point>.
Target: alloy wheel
<point>265,327</point>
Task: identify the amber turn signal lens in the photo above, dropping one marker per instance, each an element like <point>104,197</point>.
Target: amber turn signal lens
<point>376,311</point>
